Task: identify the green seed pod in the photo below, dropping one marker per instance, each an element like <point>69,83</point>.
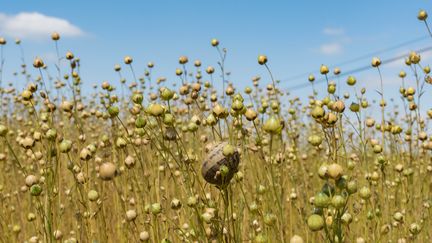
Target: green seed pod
<point>338,201</point>
<point>207,217</point>
<point>140,131</point>
<point>339,106</point>
<point>168,119</point>
<point>211,120</point>
<point>324,69</point>
<point>65,146</point>
<point>237,105</point>
<point>272,125</point>
<point>354,107</point>
<point>377,148</point>
<point>121,142</point>
<point>381,160</point>
<point>398,216</point>
<point>365,193</point>
<point>155,109</point>
<point>331,89</point>
<point>113,111</point>
<point>422,15</point>
<point>170,134</point>
<point>192,127</point>
<point>137,98</point>
<point>351,81</point>
<point>378,212</point>
<point>335,171</point>
<point>3,131</point>
<point>51,134</point>
<point>326,100</point>
<point>224,170</point>
<point>352,187</point>
<point>107,171</point>
<point>370,215</point>
<point>346,218</point>
<point>323,171</point>
<point>253,207</point>
<point>35,190</point>
<point>191,201</point>
<point>341,183</point>
<point>415,228</point>
<point>311,78</point>
<point>27,95</point>
<point>260,238</point>
<point>291,111</point>
<point>321,200</point>
<point>250,114</point>
<point>31,217</point>
<point>228,150</point>
<point>16,229</point>
<point>156,208</point>
<point>315,140</point>
<point>351,165</point>
<point>92,148</point>
<point>176,204</point>
<point>318,112</point>
<point>275,106</point>
<point>328,189</point>
<point>140,122</point>
<point>93,195</point>
<point>315,222</point>
<point>167,94</point>
<point>269,219</point>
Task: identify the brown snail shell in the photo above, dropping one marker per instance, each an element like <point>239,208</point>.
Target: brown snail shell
<point>214,160</point>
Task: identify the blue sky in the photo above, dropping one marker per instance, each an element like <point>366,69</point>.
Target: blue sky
<point>296,36</point>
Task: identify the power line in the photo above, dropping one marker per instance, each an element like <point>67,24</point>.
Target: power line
<point>356,70</point>
<point>368,55</point>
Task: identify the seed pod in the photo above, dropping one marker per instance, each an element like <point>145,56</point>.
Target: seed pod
<point>315,222</point>
<point>107,171</point>
<point>170,134</point>
<point>215,159</point>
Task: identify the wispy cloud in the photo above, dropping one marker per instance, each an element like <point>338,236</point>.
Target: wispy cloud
<point>333,48</point>
<point>333,31</point>
<point>34,25</point>
<point>338,39</point>
<point>49,57</point>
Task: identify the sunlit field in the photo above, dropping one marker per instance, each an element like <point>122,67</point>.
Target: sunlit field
<point>140,160</point>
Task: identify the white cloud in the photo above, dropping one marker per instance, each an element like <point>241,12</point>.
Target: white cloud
<point>333,31</point>
<point>34,25</point>
<point>49,57</point>
<point>338,40</point>
<point>333,48</point>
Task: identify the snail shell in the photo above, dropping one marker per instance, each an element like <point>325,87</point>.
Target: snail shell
<point>214,160</point>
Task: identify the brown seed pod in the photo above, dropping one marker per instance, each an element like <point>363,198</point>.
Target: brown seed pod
<point>170,134</point>
<point>215,159</point>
